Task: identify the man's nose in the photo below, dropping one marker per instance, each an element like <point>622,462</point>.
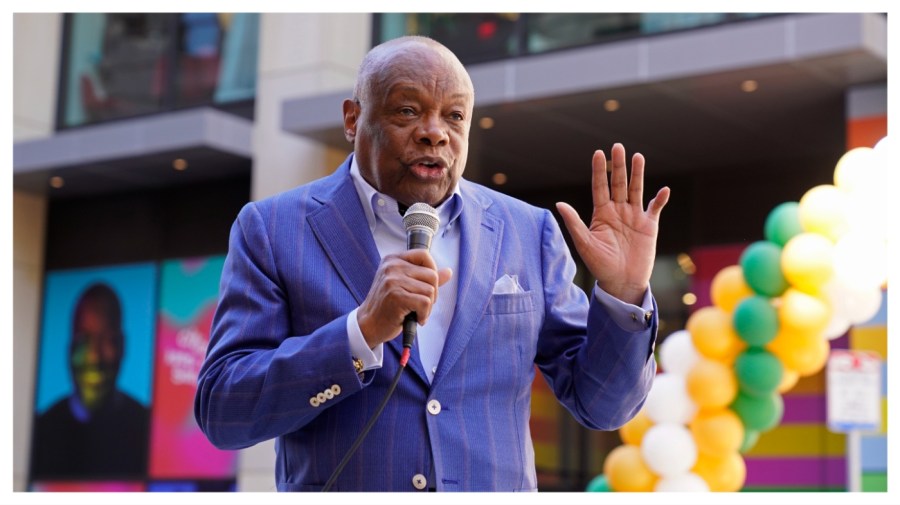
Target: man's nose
<point>432,131</point>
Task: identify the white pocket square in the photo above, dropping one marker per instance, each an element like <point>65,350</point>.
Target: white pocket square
<point>508,284</point>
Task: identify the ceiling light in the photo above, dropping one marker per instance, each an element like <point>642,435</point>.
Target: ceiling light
<point>499,178</point>
<point>486,123</point>
<point>689,299</point>
<point>749,86</point>
<point>57,182</point>
<point>180,164</point>
<point>611,105</point>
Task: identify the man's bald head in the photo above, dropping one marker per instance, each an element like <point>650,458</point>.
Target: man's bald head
<point>376,65</point>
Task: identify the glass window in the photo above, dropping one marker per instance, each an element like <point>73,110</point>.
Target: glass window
<point>472,37</point>
<point>122,65</point>
<point>490,36</point>
<point>556,30</point>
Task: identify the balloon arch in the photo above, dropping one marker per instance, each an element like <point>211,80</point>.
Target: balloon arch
<point>820,269</point>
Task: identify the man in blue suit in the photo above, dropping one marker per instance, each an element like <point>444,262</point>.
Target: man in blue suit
<point>318,281</point>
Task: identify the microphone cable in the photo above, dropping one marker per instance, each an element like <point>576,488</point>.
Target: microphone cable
<point>359,440</point>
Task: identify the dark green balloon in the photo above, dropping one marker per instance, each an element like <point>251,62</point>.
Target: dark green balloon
<point>783,223</point>
<point>761,263</point>
<point>758,372</point>
<point>598,484</point>
<point>750,439</point>
<point>758,413</point>
<point>755,320</point>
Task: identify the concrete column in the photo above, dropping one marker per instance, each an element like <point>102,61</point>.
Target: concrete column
<point>299,55</point>
<point>36,41</point>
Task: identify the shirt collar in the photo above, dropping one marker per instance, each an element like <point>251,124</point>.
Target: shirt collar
<point>448,211</point>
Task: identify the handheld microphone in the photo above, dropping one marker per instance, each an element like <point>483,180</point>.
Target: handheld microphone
<point>421,222</point>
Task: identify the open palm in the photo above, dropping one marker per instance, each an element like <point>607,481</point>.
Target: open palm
<point>619,246</point>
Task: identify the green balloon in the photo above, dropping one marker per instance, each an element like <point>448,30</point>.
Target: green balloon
<point>598,484</point>
<point>761,263</point>
<point>758,413</point>
<point>758,372</point>
<point>783,223</point>
<point>750,439</point>
<point>755,320</point>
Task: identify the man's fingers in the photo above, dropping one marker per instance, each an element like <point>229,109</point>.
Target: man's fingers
<point>577,229</point>
<point>636,186</point>
<point>421,257</point>
<point>619,178</point>
<point>659,201</point>
<point>444,275</point>
<point>599,183</point>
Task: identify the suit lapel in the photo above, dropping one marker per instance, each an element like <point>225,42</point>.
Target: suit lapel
<point>479,256</point>
<point>342,230</point>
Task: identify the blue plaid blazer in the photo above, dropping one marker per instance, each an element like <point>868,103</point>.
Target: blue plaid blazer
<point>279,365</point>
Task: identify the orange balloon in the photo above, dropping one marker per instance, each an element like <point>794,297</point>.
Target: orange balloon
<point>625,470</point>
<point>789,379</point>
<point>633,431</point>
<point>803,353</point>
<point>713,334</point>
<point>711,384</point>
<point>717,433</point>
<point>726,474</point>
<point>729,287</point>
<point>803,312</point>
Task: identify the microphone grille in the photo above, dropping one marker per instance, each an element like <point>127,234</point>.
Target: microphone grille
<point>421,215</point>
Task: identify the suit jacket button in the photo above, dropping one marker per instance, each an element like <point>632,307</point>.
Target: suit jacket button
<point>419,481</point>
<point>434,407</point>
<point>335,389</point>
<point>314,401</point>
<point>321,397</point>
<point>329,394</point>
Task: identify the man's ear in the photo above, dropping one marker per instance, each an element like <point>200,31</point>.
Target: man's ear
<point>351,115</point>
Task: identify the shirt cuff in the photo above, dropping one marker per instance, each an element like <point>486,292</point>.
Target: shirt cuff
<point>371,358</point>
<point>628,316</point>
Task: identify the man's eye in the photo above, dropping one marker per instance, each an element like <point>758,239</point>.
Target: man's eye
<point>456,116</point>
<point>407,111</point>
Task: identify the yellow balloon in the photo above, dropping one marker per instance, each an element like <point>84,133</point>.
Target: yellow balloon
<point>805,354</point>
<point>823,210</point>
<point>633,431</point>
<point>711,384</point>
<point>806,262</point>
<point>725,474</point>
<point>717,433</point>
<point>803,312</point>
<point>625,470</point>
<point>713,334</point>
<point>729,287</point>
<point>789,379</point>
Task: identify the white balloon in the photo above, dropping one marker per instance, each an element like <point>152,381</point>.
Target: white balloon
<point>669,449</point>
<point>853,172</point>
<point>837,326</point>
<point>677,353</point>
<point>687,482</point>
<point>860,261</point>
<point>668,400</point>
<point>867,214</point>
<point>851,303</point>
